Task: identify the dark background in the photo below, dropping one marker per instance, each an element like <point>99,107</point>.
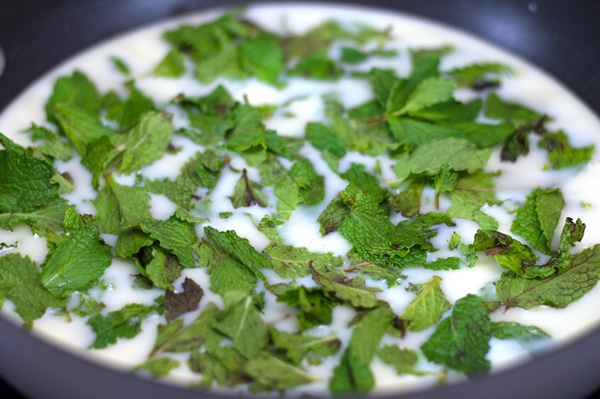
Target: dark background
<point>559,36</point>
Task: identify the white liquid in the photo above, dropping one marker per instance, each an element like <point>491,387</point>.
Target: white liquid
<point>143,49</point>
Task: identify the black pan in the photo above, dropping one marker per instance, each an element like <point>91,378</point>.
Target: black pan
<point>559,36</point>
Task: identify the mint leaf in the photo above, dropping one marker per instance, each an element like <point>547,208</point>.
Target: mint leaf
<point>353,290</point>
<point>42,220</point>
<point>537,219</point>
<point>311,184</point>
<point>558,290</point>
<point>408,201</point>
<point>315,305</point>
<point>246,193</point>
<point>429,92</point>
<point>175,236</point>
<point>353,374</point>
<point>241,322</point>
<point>121,207</point>
<point>20,283</point>
<point>263,58</point>
<point>158,367</point>
<point>414,132</point>
<point>271,171</point>
<point>175,337</point>
<point>458,154</point>
<point>26,182</point>
<point>130,242</point>
<point>268,226</point>
<point>288,197</point>
<point>272,373</point>
<point>289,261</point>
<point>145,143</point>
<point>76,263</point>
<point>470,193</point>
<point>76,89</point>
<point>333,216</point>
<point>451,111</point>
<point>136,105</point>
<point>496,108</point>
<point>478,74</point>
<point>317,66</point>
<point>427,308</point>
<point>177,304</point>
<point>297,346</point>
<point>171,66</point>
<point>461,341</point>
<point>52,145</point>
<point>403,360</point>
<point>451,263</point>
<point>518,332</point>
<point>560,152</point>
<point>123,323</point>
<point>322,138</point>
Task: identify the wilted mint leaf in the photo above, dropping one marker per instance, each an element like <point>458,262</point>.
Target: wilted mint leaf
<point>123,323</point>
<point>461,341</point>
<point>178,303</point>
<point>408,202</point>
<point>121,207</point>
<point>560,152</point>
<point>537,219</point>
<point>20,282</point>
<point>509,253</point>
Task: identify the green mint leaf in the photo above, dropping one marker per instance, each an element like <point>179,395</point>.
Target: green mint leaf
<point>241,322</point>
<point>352,55</point>
<point>470,193</point>
<point>52,145</point>
<point>271,171</point>
<point>414,132</point>
<point>518,332</point>
<point>27,181</point>
<point>461,341</point>
<point>373,270</point>
<point>263,58</point>
<point>42,220</point>
<point>268,226</point>
<point>158,367</point>
<point>353,290</point>
<point>80,126</point>
<point>408,201</point>
<point>427,308</point>
<point>451,111</point>
<point>353,374</point>
<point>484,135</point>
<point>475,74</point>
<point>403,360</point>
<point>239,248</point>
<point>136,105</point>
<point>297,346</point>
<point>145,143</point>
<point>130,242</point>
<point>290,261</point>
<point>172,66</point>
<point>322,138</point>
<point>367,182</point>
<point>224,364</point>
<point>76,89</point>
<point>560,152</point>
<point>537,219</point>
<point>272,373</point>
<point>317,66</point>
<point>20,283</point>
<point>177,304</point>
<point>160,267</point>
<point>175,236</point>
<point>558,290</point>
<point>509,253</point>
<point>120,65</point>
<point>76,263</point>
<point>288,197</point>
<point>87,306</point>
<point>174,337</point>
<point>451,263</point>
<point>121,207</point>
<point>458,154</point>
<point>429,92</point>
<point>419,54</point>
<point>246,193</point>
<point>315,305</point>
<point>123,323</point>
<point>496,108</point>
<point>311,184</point>
<point>333,216</point>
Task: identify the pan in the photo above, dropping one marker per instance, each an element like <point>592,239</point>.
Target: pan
<point>35,35</point>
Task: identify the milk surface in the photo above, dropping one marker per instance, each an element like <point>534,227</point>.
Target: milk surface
<point>144,48</point>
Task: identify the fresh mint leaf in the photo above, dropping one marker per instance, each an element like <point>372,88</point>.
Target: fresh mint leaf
<point>509,253</point>
<point>172,65</point>
<point>520,333</point>
<point>52,146</point>
<point>76,263</point>
<point>178,303</point>
<point>413,132</point>
<point>470,193</point>
<point>123,323</point>
<point>477,74</point>
<point>145,143</point>
<point>322,138</point>
<point>130,242</point>
<point>246,193</point>
<point>77,89</point>
<point>461,341</point>
<point>289,261</point>
<point>353,291</point>
<point>27,181</point>
<point>403,360</point>
<point>297,346</point>
<point>158,367</point>
<point>537,219</point>
<point>558,290</point>
<point>262,57</point>
<point>42,220</point>
<point>430,91</point>
<point>333,216</point>
<point>317,66</point>
<point>451,263</point>
<point>271,171</point>
<point>272,373</point>
<point>121,207</point>
<point>175,337</point>
<point>311,184</point>
<point>20,283</point>
<point>496,108</point>
<point>136,105</point>
<point>288,197</point>
<point>268,226</point>
<point>428,306</point>
<point>175,236</point>
<point>353,374</point>
<point>241,322</point>
<point>315,305</point>
<point>408,201</point>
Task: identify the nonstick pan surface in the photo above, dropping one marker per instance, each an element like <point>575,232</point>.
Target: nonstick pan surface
<point>561,37</point>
